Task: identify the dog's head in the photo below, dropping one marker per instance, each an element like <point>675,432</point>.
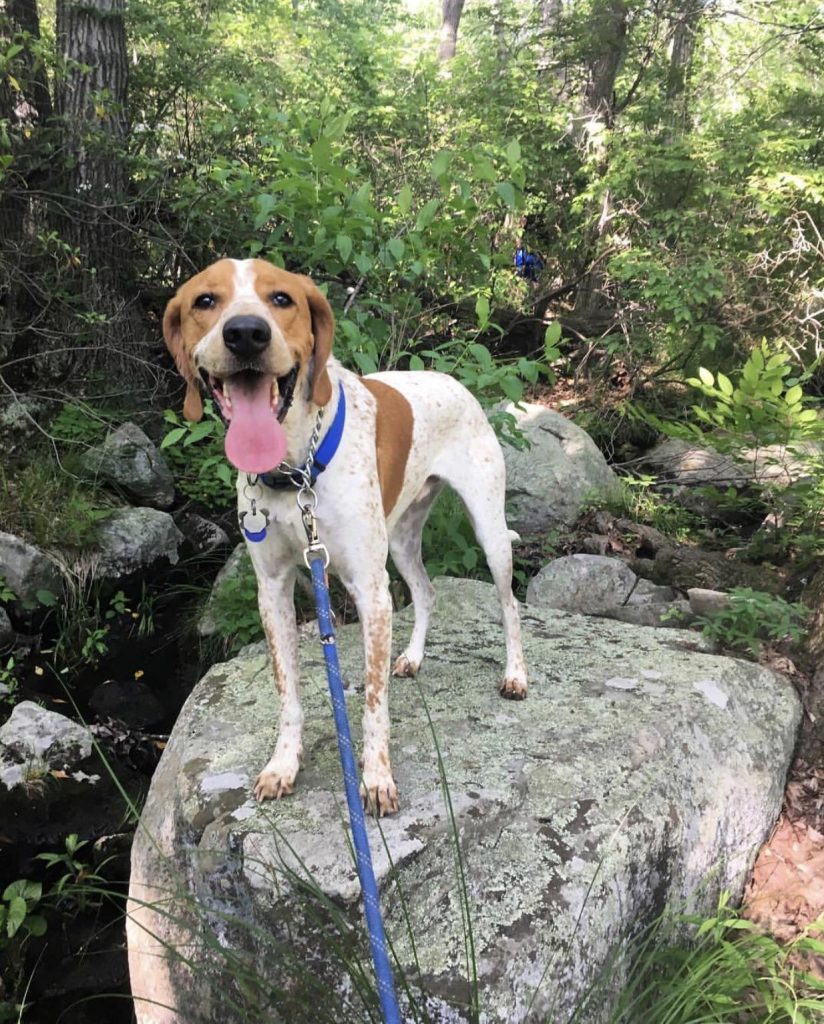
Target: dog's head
<point>252,333</point>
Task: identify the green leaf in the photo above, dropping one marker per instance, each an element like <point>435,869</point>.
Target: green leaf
<point>552,335</point>
<point>344,246</point>
<point>506,190</point>
<point>25,888</point>
<point>416,363</point>
<point>396,247</point>
<point>36,925</point>
<point>482,310</point>
<point>426,214</point>
<point>724,384</point>
<point>199,431</point>
<point>46,598</point>
<point>794,395</point>
<point>481,353</point>
<point>173,437</point>
<point>362,262</point>
<point>512,388</point>
<point>16,915</point>
<point>513,152</point>
<point>405,200</point>
<point>707,378</point>
<point>440,163</point>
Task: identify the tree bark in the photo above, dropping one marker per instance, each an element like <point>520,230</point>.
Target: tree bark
<point>451,18</point>
<point>25,108</point>
<point>607,52</point>
<point>92,107</point>
<point>684,32</point>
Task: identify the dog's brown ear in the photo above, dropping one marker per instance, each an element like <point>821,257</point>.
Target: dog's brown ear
<point>323,330</point>
<point>192,404</point>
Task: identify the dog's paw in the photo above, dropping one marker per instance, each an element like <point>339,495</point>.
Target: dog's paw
<point>379,793</point>
<point>513,688</point>
<point>404,668</point>
<point>273,783</point>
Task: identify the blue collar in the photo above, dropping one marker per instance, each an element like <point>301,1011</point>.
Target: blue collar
<point>323,456</point>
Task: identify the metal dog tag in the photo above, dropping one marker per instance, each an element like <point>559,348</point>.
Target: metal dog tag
<point>254,522</point>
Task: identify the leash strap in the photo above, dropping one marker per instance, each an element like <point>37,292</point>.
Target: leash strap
<point>369,887</point>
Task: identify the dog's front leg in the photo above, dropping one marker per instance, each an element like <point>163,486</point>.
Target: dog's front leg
<point>277,613</point>
<point>378,789</point>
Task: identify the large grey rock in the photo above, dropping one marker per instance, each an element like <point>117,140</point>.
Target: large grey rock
<point>237,565</point>
<point>135,538</point>
<point>548,484</point>
<point>640,771</point>
<point>130,460</point>
<point>26,569</point>
<point>597,585</point>
<point>35,734</point>
<point>685,463</point>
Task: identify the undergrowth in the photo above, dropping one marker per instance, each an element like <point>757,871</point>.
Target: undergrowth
<point>50,505</point>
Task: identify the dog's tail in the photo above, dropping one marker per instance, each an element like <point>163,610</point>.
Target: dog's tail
<point>514,537</point>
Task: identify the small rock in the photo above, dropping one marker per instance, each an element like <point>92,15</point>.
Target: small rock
<point>595,544</point>
<point>646,592</point>
<point>134,538</point>
<point>707,602</point>
<point>26,569</point>
<point>36,734</point>
<point>587,584</point>
<point>128,459</point>
<point>201,534</point>
<point>131,702</point>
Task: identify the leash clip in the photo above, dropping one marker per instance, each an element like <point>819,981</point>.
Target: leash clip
<point>307,501</point>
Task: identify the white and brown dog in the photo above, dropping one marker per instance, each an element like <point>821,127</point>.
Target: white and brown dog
<point>260,338</point>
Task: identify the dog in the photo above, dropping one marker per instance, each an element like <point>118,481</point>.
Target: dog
<point>259,340</point>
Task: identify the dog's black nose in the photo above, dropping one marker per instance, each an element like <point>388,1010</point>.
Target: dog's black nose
<point>246,336</point>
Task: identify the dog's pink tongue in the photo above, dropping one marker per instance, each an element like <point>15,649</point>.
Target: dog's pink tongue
<point>255,441</point>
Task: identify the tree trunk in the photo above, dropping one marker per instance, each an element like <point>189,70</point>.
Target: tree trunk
<point>25,107</point>
<point>452,10</point>
<point>684,32</point>
<point>607,52</point>
<point>92,105</point>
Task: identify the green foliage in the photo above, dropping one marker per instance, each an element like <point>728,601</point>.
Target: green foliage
<point>82,424</point>
<point>234,607</point>
<point>726,972</point>
<point>766,406</point>
<point>49,506</point>
<point>20,899</point>
<point>638,498</point>
<point>449,545</point>
<point>195,455</point>
<point>751,617</point>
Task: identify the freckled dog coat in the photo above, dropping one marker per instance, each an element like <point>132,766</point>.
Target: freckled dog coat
<point>254,334</point>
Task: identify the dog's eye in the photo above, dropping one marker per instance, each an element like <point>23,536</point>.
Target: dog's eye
<point>207,301</point>
<point>282,299</point>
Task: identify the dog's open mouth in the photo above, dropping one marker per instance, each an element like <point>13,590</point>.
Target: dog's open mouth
<point>254,405</point>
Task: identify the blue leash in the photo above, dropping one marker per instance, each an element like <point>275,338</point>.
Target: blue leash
<point>254,524</point>
<point>369,887</point>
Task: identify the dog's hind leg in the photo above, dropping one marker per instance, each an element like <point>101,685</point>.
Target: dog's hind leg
<point>277,613</point>
<point>481,485</point>
<point>405,549</point>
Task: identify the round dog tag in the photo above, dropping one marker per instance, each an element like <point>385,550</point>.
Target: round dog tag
<point>253,523</point>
